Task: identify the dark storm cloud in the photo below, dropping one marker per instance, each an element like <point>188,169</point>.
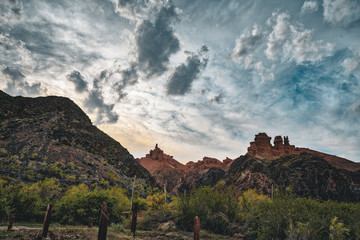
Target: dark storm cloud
<point>129,77</point>
<point>17,83</point>
<point>95,104</point>
<point>78,80</point>
<point>156,42</point>
<point>181,79</point>
<point>217,99</point>
<point>14,74</point>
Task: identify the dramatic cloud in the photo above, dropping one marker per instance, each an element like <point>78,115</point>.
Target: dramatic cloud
<point>179,82</point>
<point>341,12</point>
<point>13,52</point>
<point>217,99</point>
<point>10,9</point>
<point>129,77</point>
<point>43,43</point>
<point>281,66</point>
<point>17,83</point>
<point>156,42</point>
<point>94,103</point>
<point>309,6</point>
<point>78,80</point>
<point>352,65</point>
<point>292,43</point>
<point>246,43</point>
<point>14,74</point>
<point>131,9</point>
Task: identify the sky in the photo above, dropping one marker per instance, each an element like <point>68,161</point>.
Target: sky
<point>198,77</point>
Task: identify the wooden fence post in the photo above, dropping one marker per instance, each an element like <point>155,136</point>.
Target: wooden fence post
<point>47,220</point>
<point>134,218</point>
<point>91,221</point>
<point>196,228</point>
<point>104,221</point>
<point>11,221</point>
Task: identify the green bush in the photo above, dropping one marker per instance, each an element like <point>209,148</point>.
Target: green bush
<point>26,202</point>
<point>217,209</point>
<point>291,217</point>
<point>158,212</point>
<point>80,203</point>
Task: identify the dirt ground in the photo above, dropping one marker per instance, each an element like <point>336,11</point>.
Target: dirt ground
<point>84,233</point>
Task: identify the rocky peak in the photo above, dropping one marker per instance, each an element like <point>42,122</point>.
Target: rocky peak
<point>228,161</point>
<point>261,148</point>
<point>158,154</point>
<point>157,160</point>
<point>52,137</point>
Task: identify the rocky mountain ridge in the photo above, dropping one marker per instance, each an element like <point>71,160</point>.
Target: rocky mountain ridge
<point>262,148</point>
<point>265,167</point>
<point>170,173</point>
<point>52,137</point>
<point>305,175</point>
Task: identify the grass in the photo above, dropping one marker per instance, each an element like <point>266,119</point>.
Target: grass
<point>29,231</point>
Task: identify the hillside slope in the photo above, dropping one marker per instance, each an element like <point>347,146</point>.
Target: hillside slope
<point>305,174</point>
<point>52,137</point>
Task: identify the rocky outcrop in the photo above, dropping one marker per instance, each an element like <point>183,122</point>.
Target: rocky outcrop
<point>52,137</point>
<point>284,167</point>
<point>207,163</point>
<point>157,160</point>
<point>305,174</point>
<point>178,177</point>
<point>164,168</point>
<point>262,148</point>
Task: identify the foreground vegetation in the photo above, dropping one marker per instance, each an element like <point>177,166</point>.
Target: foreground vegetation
<point>220,209</point>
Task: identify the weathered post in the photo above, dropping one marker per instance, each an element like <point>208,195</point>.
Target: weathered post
<point>132,193</point>
<point>134,218</point>
<point>47,220</point>
<point>11,221</point>
<point>91,221</point>
<point>196,228</point>
<point>104,221</point>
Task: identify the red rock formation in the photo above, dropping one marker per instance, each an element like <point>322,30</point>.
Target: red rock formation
<point>262,148</point>
<point>171,173</point>
<point>204,165</point>
<point>228,162</point>
<point>157,160</point>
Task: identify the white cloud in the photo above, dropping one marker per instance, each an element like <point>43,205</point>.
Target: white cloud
<point>245,47</point>
<point>300,47</point>
<point>13,52</point>
<point>290,42</point>
<point>309,6</point>
<point>352,65</point>
<point>264,73</point>
<point>247,42</point>
<point>341,12</point>
<point>280,32</point>
<point>281,41</point>
<point>10,11</point>
<point>132,10</point>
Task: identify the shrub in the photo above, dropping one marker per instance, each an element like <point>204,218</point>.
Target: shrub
<point>216,209</point>
<point>79,204</point>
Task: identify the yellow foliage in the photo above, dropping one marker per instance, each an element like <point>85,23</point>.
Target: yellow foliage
<point>251,197</point>
<point>155,201</point>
